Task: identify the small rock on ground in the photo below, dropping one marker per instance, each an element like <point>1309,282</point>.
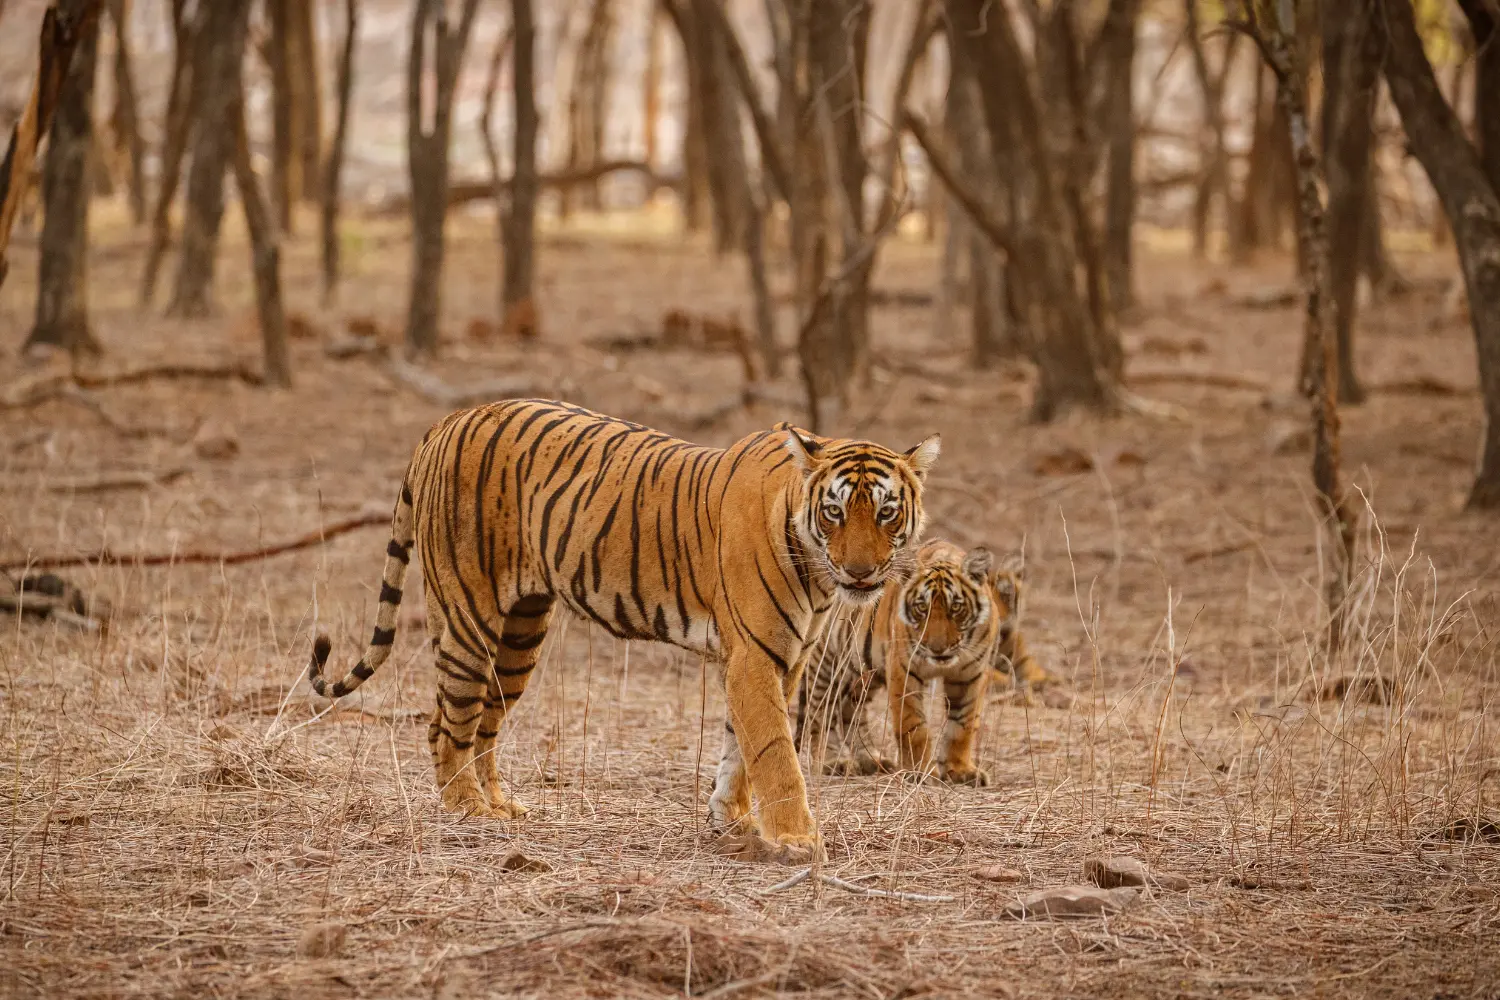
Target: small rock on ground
<point>998,873</point>
<point>1113,873</point>
<point>321,941</point>
<point>1071,901</point>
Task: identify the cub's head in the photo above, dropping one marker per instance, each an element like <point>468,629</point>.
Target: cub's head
<point>1006,581</point>
<point>950,603</point>
<point>860,512</point>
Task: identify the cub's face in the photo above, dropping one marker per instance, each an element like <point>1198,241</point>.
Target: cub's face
<point>1006,584</point>
<point>950,602</point>
<point>860,512</point>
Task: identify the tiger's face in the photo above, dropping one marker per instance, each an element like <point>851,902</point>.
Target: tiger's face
<point>860,511</point>
<point>1006,583</point>
<point>950,602</point>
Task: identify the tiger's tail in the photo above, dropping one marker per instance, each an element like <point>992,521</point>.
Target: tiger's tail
<point>397,558</point>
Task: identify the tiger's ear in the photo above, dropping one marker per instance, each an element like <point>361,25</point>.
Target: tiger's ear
<point>804,451</point>
<point>978,564</point>
<point>923,456</point>
<point>1014,566</point>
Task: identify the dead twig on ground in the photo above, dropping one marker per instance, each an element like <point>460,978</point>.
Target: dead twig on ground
<point>108,557</point>
<point>433,389</point>
<point>122,479</point>
<point>858,890</point>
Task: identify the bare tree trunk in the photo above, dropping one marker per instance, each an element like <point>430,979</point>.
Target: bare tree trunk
<point>221,46</point>
<point>308,63</point>
<point>265,254</point>
<point>63,26</point>
<point>518,209</point>
<point>62,317</point>
<point>1465,184</point>
<point>1351,67</point>
<point>1213,185</point>
<point>586,104</point>
<point>1484,25</point>
<point>174,143</point>
<point>333,171</point>
<point>125,120</point>
<point>1078,361</point>
<point>697,199</point>
<point>650,110</point>
<point>1277,40</point>
<point>427,154</point>
<point>286,160</point>
<point>1119,205</point>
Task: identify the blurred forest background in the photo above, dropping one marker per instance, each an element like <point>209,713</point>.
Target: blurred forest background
<point>1204,296</point>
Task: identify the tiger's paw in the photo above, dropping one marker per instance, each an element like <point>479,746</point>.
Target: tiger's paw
<point>968,775</point>
<point>800,849</point>
<point>920,775</point>
<point>861,765</point>
<point>745,826</point>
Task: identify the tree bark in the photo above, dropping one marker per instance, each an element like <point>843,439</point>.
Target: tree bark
<point>216,75</point>
<point>333,171</point>
<point>63,26</point>
<point>265,254</point>
<point>62,318</point>
<point>1351,66</point>
<point>309,64</point>
<point>1213,185</point>
<point>586,103</point>
<point>1484,25</point>
<point>1471,204</point>
<point>286,102</point>
<point>1119,204</point>
<point>174,143</point>
<point>125,120</point>
<point>518,205</point>
<point>697,199</point>
<point>427,160</point>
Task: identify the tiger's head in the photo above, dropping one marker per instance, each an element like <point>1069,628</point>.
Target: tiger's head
<point>951,603</point>
<point>1006,582</point>
<point>860,509</point>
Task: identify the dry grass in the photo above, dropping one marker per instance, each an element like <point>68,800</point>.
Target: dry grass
<point>178,814</point>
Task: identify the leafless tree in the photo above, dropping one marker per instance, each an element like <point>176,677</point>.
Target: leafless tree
<point>333,170</point>
<point>125,119</point>
<point>518,209</point>
<point>587,99</point>
<point>1351,75</point>
<point>1275,32</point>
<point>428,134</point>
<point>63,26</point>
<point>216,79</point>
<point>265,253</point>
<point>174,143</point>
<point>1467,180</point>
<point>62,318</point>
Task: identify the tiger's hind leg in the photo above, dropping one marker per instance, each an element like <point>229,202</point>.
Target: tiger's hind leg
<point>463,682</point>
<point>520,648</point>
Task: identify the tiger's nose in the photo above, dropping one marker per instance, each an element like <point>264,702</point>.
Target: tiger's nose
<point>860,572</point>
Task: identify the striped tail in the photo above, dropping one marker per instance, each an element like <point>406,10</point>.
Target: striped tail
<point>397,557</point>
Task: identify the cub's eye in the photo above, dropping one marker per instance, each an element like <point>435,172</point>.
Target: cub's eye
<point>958,602</point>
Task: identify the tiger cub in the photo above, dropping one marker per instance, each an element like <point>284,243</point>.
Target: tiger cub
<point>950,621</point>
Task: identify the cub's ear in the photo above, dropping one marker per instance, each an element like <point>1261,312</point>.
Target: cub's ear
<point>922,457</point>
<point>1014,566</point>
<point>804,451</point>
<point>978,564</point>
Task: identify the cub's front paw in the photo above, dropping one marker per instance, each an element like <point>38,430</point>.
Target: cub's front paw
<point>972,776</point>
<point>920,775</point>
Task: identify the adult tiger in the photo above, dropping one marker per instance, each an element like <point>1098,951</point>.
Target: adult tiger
<point>954,619</point>
<point>736,553</point>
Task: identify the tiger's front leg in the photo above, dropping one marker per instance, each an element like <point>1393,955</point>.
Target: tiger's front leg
<point>964,701</point>
<point>908,720</point>
<point>763,736</point>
